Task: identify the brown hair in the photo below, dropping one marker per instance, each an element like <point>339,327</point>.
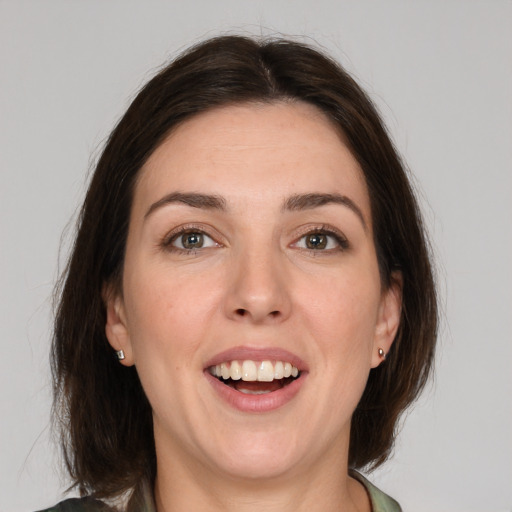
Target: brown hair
<point>105,417</point>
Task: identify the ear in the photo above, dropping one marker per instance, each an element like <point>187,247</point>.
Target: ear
<point>116,327</point>
<point>389,318</point>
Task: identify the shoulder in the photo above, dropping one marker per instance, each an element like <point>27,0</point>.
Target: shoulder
<point>79,505</point>
<point>380,501</point>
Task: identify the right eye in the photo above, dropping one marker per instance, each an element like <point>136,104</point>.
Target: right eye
<point>191,240</point>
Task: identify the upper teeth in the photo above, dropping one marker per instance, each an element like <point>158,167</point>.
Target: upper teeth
<point>261,371</point>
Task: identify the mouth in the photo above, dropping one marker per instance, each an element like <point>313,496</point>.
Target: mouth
<point>252,377</point>
<point>256,379</point>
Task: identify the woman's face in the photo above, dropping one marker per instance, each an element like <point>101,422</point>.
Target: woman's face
<point>250,254</point>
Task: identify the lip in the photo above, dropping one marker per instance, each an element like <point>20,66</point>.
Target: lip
<point>256,403</point>
<point>257,354</point>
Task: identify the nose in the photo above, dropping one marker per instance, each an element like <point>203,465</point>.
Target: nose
<point>259,288</point>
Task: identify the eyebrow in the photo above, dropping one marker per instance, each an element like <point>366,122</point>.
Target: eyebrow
<point>296,202</point>
<point>196,200</point>
<point>309,201</point>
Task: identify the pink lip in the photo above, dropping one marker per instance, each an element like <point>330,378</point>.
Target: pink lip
<point>256,403</point>
<point>257,354</point>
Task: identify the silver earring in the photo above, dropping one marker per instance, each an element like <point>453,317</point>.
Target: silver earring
<point>382,354</point>
<point>120,355</point>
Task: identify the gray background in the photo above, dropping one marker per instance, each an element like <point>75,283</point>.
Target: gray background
<point>441,74</point>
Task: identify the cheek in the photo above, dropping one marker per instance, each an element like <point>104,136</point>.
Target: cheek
<point>342,309</point>
<point>167,313</point>
<point>167,324</point>
<point>340,319</point>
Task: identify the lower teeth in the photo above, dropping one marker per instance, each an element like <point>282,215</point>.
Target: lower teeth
<point>247,392</point>
<point>257,388</point>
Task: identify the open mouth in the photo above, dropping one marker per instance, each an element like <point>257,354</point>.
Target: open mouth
<point>255,377</point>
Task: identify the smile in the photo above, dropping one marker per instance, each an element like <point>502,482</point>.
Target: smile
<point>251,371</point>
<point>256,380</point>
<point>255,377</point>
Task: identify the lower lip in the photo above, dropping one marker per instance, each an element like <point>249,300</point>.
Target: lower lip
<point>256,403</point>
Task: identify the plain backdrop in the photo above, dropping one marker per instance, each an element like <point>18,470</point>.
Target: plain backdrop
<point>440,73</point>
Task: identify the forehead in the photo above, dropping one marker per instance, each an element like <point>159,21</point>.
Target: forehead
<point>253,151</point>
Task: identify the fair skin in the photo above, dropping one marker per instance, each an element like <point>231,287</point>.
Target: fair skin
<point>250,238</point>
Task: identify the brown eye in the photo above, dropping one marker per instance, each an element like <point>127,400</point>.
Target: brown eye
<point>323,240</point>
<point>316,241</point>
<point>190,240</point>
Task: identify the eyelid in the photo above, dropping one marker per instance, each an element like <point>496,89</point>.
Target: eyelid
<point>327,230</point>
<point>189,228</point>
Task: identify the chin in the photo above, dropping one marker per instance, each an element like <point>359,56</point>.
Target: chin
<point>257,457</point>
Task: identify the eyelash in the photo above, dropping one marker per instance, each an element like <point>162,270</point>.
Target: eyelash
<point>168,241</point>
<point>328,231</point>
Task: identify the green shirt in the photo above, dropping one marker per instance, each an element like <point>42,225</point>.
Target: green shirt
<point>380,502</point>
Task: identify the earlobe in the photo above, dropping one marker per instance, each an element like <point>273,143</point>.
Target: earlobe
<point>389,319</point>
<point>116,328</point>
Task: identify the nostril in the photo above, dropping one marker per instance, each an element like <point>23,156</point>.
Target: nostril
<point>245,313</point>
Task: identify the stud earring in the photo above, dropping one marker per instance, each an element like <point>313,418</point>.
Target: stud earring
<point>382,354</point>
<point>120,355</point>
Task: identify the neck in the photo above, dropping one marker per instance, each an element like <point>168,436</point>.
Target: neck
<point>325,486</point>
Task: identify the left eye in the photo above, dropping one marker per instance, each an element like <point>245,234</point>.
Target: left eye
<point>318,242</point>
<point>192,240</point>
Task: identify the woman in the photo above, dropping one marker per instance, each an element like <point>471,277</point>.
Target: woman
<point>249,305</point>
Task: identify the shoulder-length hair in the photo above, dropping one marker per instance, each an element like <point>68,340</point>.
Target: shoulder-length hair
<point>105,417</point>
